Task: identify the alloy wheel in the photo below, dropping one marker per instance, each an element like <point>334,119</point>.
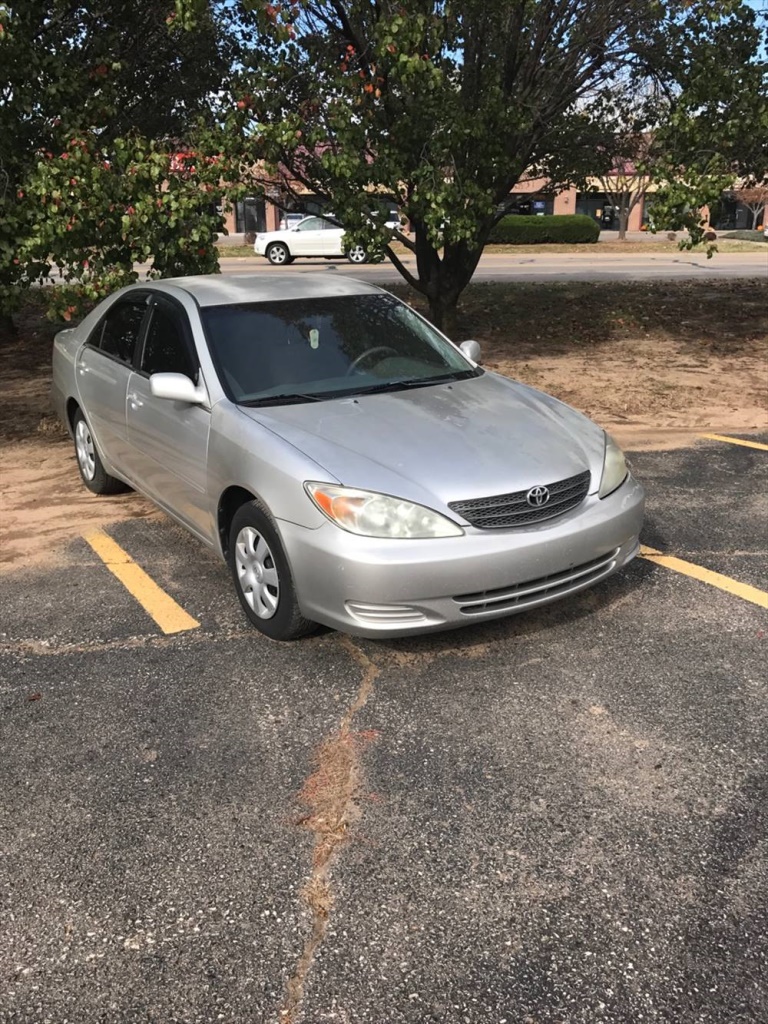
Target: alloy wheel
<point>278,255</point>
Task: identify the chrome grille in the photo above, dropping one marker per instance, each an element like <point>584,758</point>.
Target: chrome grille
<point>505,510</point>
<point>533,592</point>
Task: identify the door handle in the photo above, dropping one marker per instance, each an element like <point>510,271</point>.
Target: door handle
<point>135,402</point>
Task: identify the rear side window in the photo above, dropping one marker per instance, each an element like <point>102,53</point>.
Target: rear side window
<point>166,349</point>
<point>121,328</point>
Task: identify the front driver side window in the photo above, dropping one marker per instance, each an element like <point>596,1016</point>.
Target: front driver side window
<point>166,349</point>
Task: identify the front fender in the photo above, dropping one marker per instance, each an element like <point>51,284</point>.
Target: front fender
<point>245,453</point>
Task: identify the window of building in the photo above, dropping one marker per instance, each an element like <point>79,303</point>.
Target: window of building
<point>250,215</point>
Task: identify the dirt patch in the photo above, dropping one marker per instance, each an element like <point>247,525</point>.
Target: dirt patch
<point>655,363</point>
<point>653,392</point>
<point>43,504</point>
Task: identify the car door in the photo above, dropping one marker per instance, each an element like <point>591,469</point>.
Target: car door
<point>103,367</point>
<point>333,241</point>
<point>309,238</point>
<point>168,440</point>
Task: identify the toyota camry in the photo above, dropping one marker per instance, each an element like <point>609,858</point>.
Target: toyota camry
<point>352,465</point>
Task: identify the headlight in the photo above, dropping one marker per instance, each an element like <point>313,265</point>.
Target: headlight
<point>379,515</point>
<point>614,468</point>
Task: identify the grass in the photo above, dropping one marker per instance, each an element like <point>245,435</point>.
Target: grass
<point>558,317</point>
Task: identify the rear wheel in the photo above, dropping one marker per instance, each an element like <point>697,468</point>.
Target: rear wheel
<point>357,254</point>
<point>262,575</point>
<point>279,255</point>
<point>92,471</point>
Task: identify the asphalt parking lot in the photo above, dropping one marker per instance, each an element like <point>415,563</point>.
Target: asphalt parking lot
<point>561,817</point>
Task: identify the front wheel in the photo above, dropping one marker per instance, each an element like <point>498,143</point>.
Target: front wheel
<point>279,255</point>
<point>357,254</point>
<point>262,575</point>
<point>92,471</point>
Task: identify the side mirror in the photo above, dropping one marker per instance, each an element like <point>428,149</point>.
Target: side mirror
<point>471,350</point>
<point>176,387</point>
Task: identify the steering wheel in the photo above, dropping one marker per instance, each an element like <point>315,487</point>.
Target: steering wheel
<point>365,355</point>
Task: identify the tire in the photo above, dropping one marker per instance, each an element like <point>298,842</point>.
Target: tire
<point>279,254</point>
<point>262,576</point>
<point>357,254</point>
<point>89,463</point>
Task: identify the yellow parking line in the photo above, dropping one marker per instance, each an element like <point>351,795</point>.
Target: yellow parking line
<point>169,616</point>
<point>715,579</point>
<point>736,440</point>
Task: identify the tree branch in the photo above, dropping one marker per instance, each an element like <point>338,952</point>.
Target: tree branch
<point>404,271</point>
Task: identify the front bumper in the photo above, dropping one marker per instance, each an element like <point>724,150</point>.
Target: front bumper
<point>389,588</point>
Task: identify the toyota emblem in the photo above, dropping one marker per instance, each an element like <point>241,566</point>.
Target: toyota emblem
<point>537,496</point>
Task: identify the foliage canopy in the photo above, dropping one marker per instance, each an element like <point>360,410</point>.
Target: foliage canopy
<point>118,77</point>
<point>448,104</point>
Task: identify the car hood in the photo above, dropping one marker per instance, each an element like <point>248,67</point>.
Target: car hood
<point>449,442</point>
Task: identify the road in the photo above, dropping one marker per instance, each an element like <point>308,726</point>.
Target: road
<point>560,818</point>
<point>544,267</point>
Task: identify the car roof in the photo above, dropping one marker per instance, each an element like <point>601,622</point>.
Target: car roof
<point>220,290</point>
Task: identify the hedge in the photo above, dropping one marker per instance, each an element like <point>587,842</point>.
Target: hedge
<point>746,236</point>
<point>525,230</point>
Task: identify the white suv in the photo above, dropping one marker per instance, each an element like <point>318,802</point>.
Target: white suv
<point>312,236</point>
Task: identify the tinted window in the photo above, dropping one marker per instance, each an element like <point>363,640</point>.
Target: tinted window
<point>165,349</point>
<point>326,346</point>
<point>120,330</point>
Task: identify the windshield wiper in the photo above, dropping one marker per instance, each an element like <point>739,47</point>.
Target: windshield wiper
<point>288,398</point>
<point>415,382</point>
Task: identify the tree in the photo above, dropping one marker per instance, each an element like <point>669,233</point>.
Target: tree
<point>755,198</point>
<point>712,126</point>
<point>447,105</point>
<point>99,212</point>
<point>620,129</point>
<point>106,70</point>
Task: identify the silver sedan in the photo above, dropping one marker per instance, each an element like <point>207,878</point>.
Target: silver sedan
<point>352,466</point>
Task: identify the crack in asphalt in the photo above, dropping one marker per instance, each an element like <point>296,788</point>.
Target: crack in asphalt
<point>331,793</point>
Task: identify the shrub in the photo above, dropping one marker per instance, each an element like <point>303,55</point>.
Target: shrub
<point>747,236</point>
<point>524,230</point>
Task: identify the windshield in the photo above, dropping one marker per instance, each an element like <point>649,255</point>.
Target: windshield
<point>319,348</point>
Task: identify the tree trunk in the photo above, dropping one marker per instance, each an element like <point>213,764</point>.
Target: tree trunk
<point>442,280</point>
<point>623,219</point>
<point>443,314</point>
